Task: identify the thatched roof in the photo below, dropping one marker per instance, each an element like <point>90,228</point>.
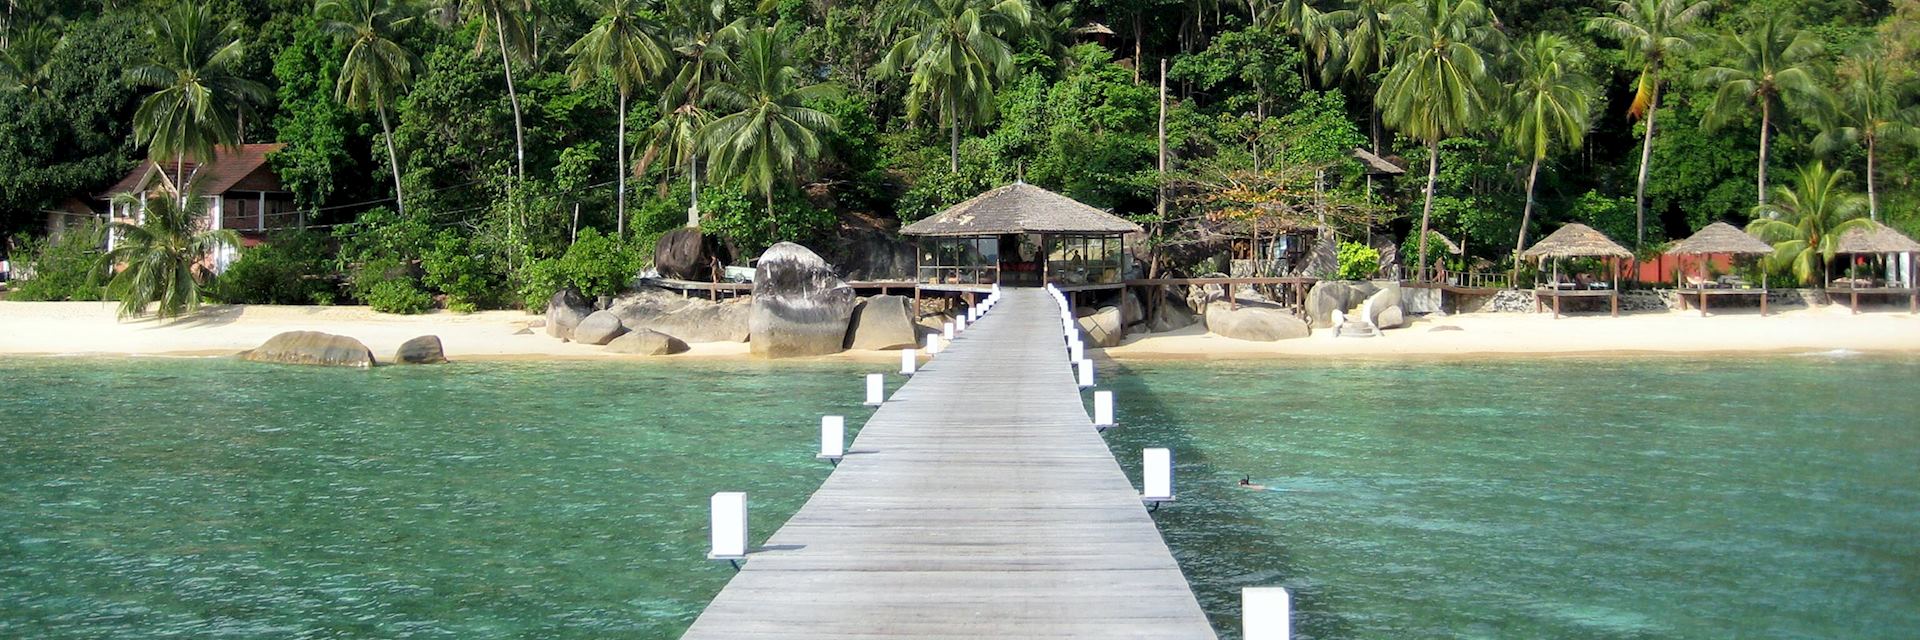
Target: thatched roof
<point>1020,208</point>
<point>1720,237</point>
<point>1377,165</point>
<point>1876,238</point>
<point>1576,240</point>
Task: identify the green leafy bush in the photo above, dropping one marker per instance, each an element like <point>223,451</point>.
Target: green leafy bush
<point>1358,261</point>
<point>294,268</point>
<point>597,265</point>
<point>743,219</point>
<point>71,267</point>
<point>399,295</point>
<point>1436,249</point>
<point>455,267</point>
<point>537,281</point>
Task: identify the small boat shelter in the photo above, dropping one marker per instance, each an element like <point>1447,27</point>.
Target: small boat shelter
<point>1576,240</point>
<point>1895,254</point>
<point>1718,238</point>
<point>1020,235</point>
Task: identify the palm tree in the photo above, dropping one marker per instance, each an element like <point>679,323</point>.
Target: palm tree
<point>163,254</point>
<point>1774,68</point>
<point>1654,32</point>
<point>1874,108</point>
<point>1437,86</point>
<point>767,133</point>
<point>1367,47</point>
<point>1552,102</point>
<point>1319,33</point>
<point>26,59</point>
<point>502,26</point>
<point>1805,224</point>
<point>200,95</point>
<point>622,45</point>
<point>958,54</point>
<point>693,30</point>
<point>376,68</point>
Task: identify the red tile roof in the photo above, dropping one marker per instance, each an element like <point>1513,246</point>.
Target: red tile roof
<point>231,167</point>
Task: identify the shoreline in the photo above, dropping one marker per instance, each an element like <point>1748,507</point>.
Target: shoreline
<point>90,329</point>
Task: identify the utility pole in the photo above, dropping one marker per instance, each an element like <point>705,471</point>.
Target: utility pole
<point>1163,139</point>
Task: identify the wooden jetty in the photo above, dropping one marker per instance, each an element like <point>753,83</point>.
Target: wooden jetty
<point>978,502</point>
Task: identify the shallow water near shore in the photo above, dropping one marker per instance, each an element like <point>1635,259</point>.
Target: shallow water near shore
<point>1578,498</point>
<point>1606,498</point>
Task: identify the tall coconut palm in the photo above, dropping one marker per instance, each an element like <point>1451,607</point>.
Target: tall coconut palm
<point>163,255</point>
<point>1320,36</point>
<point>957,54</point>
<point>199,95</point>
<point>1875,108</point>
<point>26,59</point>
<point>1805,223</point>
<point>1773,70</point>
<point>624,46</point>
<point>766,134</point>
<point>693,30</point>
<point>376,69</point>
<point>1366,47</point>
<point>1551,104</point>
<point>1439,81</point>
<point>1654,33</point>
<point>502,26</point>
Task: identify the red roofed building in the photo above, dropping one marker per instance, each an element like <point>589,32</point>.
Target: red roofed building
<point>242,192</point>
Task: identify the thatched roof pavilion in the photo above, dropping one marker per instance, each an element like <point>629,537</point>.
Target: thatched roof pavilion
<point>1720,237</point>
<point>1023,235</point>
<point>1376,165</point>
<point>1020,208</point>
<point>1576,240</point>
<point>1876,238</point>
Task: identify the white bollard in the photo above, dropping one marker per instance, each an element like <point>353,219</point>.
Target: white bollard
<point>833,438</point>
<point>946,330</point>
<point>960,324</point>
<point>1076,351</point>
<point>1266,613</point>
<point>907,360</point>
<point>933,343</point>
<point>876,389</point>
<point>729,526</point>
<point>1103,409</point>
<point>1156,475</point>
<point>1086,372</point>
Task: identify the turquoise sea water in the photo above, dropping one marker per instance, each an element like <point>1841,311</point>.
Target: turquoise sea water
<point>1631,498</point>
<point>213,498</point>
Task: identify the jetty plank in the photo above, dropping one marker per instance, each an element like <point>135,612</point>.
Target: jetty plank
<point>979,501</point>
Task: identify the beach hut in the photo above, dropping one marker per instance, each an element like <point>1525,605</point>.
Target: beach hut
<point>1021,235</point>
<point>1576,240</point>
<point>1718,238</point>
<point>1896,254</point>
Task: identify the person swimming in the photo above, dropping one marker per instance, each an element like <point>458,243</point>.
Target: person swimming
<point>1246,482</point>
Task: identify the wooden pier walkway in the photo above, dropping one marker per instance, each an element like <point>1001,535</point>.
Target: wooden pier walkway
<point>978,502</point>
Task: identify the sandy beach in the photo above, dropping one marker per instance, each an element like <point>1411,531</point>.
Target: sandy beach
<point>90,328</point>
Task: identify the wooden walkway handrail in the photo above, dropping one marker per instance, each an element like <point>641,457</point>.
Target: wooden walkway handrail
<point>977,502</point>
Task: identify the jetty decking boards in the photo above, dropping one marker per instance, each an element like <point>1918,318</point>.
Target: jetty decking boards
<point>978,502</point>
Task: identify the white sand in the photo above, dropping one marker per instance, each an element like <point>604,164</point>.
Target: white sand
<point>48,328</point>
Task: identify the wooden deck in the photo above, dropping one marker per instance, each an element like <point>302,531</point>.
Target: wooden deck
<point>978,502</point>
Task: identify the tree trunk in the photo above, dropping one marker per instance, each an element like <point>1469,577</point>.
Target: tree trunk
<point>1766,119</point>
<point>953,124</point>
<point>1873,197</point>
<point>773,222</point>
<point>1646,157</point>
<point>1526,216</point>
<point>693,174</point>
<point>506,65</point>
<point>1426,211</point>
<point>620,165</point>
<point>1139,34</point>
<point>393,160</point>
<point>1160,193</point>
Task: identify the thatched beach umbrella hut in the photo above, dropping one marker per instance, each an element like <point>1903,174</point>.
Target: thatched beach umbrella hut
<point>1720,238</point>
<point>1575,240</point>
<point>1896,252</point>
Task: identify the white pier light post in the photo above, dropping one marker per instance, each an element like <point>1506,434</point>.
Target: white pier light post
<point>876,389</point>
<point>1086,372</point>
<point>729,527</point>
<point>833,438</point>
<point>1103,409</point>
<point>933,343</point>
<point>1156,475</point>
<point>1266,613</point>
<point>908,358</point>
<point>1076,350</point>
<point>946,331</point>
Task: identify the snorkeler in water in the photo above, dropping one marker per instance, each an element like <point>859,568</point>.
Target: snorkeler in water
<point>1246,482</point>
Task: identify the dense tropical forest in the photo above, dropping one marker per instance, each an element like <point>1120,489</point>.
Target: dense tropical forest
<point>491,150</point>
